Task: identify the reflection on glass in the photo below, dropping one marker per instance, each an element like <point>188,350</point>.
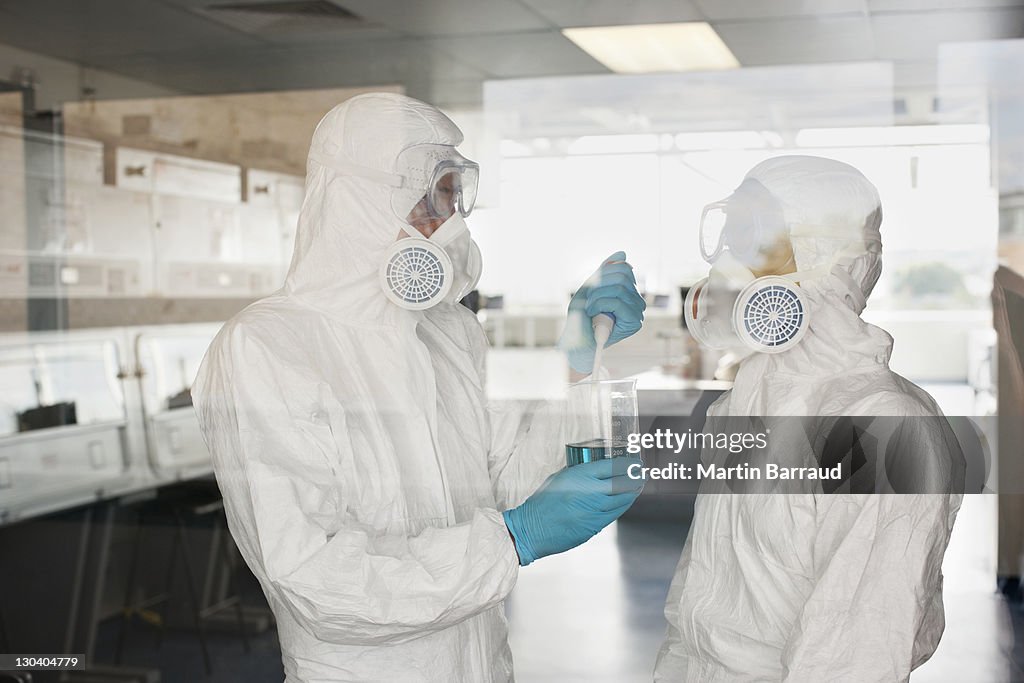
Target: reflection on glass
<point>55,383</point>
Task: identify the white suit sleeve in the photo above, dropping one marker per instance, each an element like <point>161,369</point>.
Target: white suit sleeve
<point>876,590</point>
<point>345,582</point>
<point>875,613</point>
<point>527,437</point>
<point>527,445</point>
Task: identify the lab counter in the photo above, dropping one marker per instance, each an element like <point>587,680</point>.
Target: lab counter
<point>61,467</point>
<point>97,414</point>
<point>657,380</point>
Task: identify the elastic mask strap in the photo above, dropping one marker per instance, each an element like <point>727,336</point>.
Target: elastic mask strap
<point>444,234</point>
<point>452,227</point>
<point>348,168</point>
<point>413,232</point>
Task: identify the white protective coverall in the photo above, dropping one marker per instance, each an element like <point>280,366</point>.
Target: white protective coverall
<point>362,474</point>
<point>814,587</point>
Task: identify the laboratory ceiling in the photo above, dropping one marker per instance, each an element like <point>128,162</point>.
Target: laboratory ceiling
<point>443,50</point>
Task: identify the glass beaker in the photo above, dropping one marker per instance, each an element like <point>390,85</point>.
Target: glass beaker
<point>601,416</point>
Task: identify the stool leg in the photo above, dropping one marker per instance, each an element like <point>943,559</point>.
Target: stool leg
<point>129,589</point>
<point>225,548</point>
<point>168,586</point>
<point>193,592</point>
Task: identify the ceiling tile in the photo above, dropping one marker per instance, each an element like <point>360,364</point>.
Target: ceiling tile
<point>86,29</point>
<point>283,29</point>
<point>734,10</point>
<point>196,79</point>
<point>916,36</point>
<point>448,93</point>
<point>447,17</point>
<point>575,13</point>
<point>934,5</point>
<point>157,65</point>
<point>522,54</point>
<point>794,41</point>
<point>330,36</point>
<point>316,66</point>
<point>424,57</point>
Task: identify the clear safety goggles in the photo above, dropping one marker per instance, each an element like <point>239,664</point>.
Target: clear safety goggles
<point>447,179</point>
<point>453,188</point>
<point>744,222</point>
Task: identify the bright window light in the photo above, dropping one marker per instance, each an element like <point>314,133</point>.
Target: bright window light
<point>69,276</point>
<point>882,136</point>
<point>512,148</point>
<point>614,144</point>
<point>648,48</point>
<point>734,139</point>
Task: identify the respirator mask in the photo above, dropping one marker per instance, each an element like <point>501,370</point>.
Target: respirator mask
<point>732,308</point>
<point>418,273</point>
<point>752,296</point>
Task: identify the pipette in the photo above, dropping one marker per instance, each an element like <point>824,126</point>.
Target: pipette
<point>603,323</point>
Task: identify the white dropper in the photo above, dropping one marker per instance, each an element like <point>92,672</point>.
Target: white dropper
<point>603,323</point>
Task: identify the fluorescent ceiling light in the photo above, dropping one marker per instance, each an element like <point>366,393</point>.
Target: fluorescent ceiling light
<point>647,48</point>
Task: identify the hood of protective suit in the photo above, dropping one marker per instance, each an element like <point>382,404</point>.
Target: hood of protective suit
<point>347,222</point>
<point>833,215</point>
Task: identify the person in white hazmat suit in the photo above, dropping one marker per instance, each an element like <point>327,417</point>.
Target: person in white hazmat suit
<point>383,510</point>
<point>808,587</point>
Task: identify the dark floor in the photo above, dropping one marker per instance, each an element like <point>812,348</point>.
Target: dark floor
<point>595,614</point>
<point>178,656</point>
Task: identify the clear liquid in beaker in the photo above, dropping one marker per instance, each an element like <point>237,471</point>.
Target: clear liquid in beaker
<point>593,449</point>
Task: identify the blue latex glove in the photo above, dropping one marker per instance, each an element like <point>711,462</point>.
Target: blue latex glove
<point>611,289</point>
<point>571,506</point>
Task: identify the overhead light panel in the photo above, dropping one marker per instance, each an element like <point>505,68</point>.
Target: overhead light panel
<point>649,48</point>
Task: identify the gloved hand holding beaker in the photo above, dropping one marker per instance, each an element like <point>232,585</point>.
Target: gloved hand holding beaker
<point>571,506</point>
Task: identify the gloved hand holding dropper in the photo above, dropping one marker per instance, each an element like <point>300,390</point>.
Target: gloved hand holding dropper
<point>606,309</point>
